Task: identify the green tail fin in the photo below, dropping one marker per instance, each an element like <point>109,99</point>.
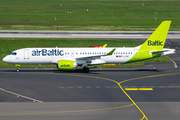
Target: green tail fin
<point>153,44</point>
<point>157,39</point>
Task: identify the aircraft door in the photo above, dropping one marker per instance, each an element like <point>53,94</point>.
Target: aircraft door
<point>26,54</point>
<point>136,53</point>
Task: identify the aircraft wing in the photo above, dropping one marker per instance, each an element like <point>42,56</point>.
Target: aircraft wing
<point>94,60</point>
<point>97,56</point>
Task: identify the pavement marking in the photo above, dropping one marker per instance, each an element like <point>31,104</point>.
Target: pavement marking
<point>116,86</point>
<point>161,86</point>
<point>107,86</point>
<point>104,35</point>
<point>112,87</point>
<point>67,111</point>
<point>79,87</point>
<point>70,87</point>
<point>175,65</point>
<point>131,88</point>
<point>88,87</point>
<point>145,88</point>
<point>98,87</point>
<point>21,95</point>
<point>170,86</point>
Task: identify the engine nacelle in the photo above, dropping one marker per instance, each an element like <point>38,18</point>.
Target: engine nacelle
<point>66,65</point>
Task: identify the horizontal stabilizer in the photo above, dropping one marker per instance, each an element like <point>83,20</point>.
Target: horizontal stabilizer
<point>159,52</point>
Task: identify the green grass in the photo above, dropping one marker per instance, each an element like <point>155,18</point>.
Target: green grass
<point>7,45</point>
<point>102,15</point>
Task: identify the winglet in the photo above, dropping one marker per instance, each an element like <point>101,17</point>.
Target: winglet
<point>111,52</point>
<point>104,46</point>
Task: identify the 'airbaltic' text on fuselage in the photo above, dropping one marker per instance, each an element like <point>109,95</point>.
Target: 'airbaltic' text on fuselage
<point>45,52</point>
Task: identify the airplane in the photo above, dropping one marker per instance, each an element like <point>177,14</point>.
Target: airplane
<point>69,58</point>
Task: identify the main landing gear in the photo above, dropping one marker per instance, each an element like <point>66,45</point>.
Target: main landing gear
<point>86,69</point>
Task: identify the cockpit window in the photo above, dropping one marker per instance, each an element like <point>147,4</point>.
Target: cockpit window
<point>13,53</point>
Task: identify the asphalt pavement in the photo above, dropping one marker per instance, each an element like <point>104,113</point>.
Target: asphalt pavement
<point>83,34</point>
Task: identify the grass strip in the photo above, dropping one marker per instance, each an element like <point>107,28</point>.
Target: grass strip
<point>101,15</point>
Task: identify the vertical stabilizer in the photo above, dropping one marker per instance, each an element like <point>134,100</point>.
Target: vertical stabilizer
<point>157,39</point>
<point>153,44</point>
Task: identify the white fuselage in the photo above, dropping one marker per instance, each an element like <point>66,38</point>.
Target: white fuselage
<point>80,55</point>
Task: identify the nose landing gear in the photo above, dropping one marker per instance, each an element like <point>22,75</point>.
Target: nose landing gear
<point>17,65</point>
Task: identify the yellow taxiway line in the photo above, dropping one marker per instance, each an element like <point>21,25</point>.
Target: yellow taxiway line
<point>138,89</point>
<point>68,111</point>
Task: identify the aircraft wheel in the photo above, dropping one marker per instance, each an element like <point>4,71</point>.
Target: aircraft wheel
<point>86,70</point>
<point>17,70</point>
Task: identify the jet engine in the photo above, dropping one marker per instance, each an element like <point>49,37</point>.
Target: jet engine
<point>67,65</point>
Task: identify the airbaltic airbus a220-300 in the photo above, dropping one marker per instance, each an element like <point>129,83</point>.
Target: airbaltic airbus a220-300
<point>70,58</point>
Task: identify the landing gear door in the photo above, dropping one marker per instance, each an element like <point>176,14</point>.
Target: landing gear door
<point>26,54</point>
<point>136,53</point>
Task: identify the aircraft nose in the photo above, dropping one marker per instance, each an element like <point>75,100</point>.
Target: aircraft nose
<point>5,59</point>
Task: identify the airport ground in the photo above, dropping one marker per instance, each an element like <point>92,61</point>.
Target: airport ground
<point>47,94</point>
<point>149,92</point>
